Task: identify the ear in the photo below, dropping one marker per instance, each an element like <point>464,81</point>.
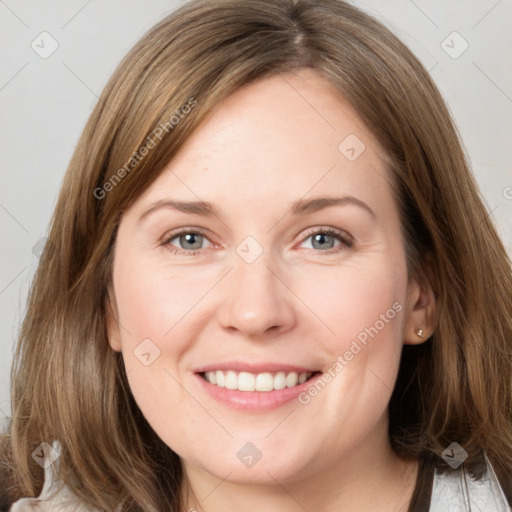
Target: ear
<point>420,314</point>
<point>113,334</point>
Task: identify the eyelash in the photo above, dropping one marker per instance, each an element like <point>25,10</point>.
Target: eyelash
<point>346,242</point>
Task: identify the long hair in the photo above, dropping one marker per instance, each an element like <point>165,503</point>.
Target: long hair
<point>69,385</point>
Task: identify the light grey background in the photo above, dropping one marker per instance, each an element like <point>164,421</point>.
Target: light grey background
<point>45,103</point>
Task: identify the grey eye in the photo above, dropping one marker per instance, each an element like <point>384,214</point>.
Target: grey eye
<point>189,240</point>
<point>323,241</point>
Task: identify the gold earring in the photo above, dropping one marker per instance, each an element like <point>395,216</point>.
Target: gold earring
<point>419,332</point>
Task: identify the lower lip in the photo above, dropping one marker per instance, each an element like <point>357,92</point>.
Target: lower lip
<point>255,400</point>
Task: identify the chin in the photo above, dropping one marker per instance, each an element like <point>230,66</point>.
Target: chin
<point>265,471</point>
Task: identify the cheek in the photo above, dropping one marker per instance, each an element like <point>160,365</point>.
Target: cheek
<point>361,308</point>
<point>155,307</point>
<point>365,311</point>
<point>357,301</point>
<point>154,302</point>
<point>160,310</point>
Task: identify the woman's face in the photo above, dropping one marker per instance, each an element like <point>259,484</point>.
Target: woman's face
<point>286,259</point>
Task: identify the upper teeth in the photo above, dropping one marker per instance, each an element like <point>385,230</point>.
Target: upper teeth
<point>245,381</point>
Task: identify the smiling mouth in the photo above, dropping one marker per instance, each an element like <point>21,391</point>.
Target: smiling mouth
<point>266,381</point>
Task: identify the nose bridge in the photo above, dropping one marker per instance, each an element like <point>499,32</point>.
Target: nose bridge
<point>256,300</point>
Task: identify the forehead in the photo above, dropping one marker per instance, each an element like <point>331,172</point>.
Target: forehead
<point>282,137</point>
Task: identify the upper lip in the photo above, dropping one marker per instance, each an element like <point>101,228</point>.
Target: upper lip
<point>255,368</point>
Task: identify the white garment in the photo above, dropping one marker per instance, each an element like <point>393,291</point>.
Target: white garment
<point>52,499</point>
<point>452,491</point>
<point>456,491</point>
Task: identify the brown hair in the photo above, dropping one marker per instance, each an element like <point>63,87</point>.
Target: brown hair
<point>67,383</point>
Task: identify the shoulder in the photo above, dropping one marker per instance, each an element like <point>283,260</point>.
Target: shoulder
<point>457,491</point>
<point>55,496</point>
<point>61,501</point>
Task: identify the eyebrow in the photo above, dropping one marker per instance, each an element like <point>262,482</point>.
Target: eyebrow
<point>300,207</point>
<point>303,207</point>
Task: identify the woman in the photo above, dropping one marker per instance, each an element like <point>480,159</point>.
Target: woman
<point>338,334</point>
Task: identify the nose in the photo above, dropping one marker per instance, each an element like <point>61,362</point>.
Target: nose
<point>256,301</point>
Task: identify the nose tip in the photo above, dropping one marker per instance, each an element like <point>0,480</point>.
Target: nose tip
<point>251,323</point>
<point>255,301</point>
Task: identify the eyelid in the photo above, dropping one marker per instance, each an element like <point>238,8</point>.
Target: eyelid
<point>169,235</point>
<point>328,230</point>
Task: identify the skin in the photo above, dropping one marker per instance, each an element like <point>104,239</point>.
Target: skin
<point>269,144</point>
